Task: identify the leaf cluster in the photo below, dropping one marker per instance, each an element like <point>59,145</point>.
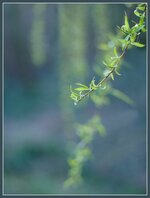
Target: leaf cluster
<point>130,35</point>
<point>82,151</point>
<point>115,51</point>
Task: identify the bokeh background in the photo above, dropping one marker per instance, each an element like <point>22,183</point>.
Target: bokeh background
<point>47,47</point>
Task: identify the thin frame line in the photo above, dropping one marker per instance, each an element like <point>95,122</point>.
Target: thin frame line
<point>3,98</point>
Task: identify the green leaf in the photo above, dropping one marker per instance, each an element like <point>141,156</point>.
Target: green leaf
<point>106,64</point>
<point>141,7</point>
<point>121,30</point>
<point>127,23</point>
<point>82,85</point>
<point>115,51</point>
<point>142,4</point>
<point>137,44</point>
<point>81,89</point>
<point>144,30</point>
<point>117,72</point>
<point>93,85</point>
<point>73,93</point>
<point>123,41</point>
<point>112,76</point>
<point>137,13</point>
<point>137,28</point>
<point>133,37</point>
<point>113,63</point>
<point>127,38</point>
<point>73,97</point>
<point>114,57</point>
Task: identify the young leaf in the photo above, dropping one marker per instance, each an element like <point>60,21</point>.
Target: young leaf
<point>74,97</point>
<point>105,63</point>
<point>114,57</point>
<point>137,13</point>
<point>141,7</point>
<point>138,44</point>
<point>113,63</point>
<point>144,30</point>
<point>82,85</point>
<point>112,76</point>
<point>133,37</point>
<point>121,30</point>
<point>137,28</point>
<point>127,23</point>
<point>115,51</point>
<point>93,85</point>
<point>81,88</point>
<point>127,37</point>
<point>117,72</point>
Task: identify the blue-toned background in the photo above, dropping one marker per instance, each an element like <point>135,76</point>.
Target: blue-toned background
<point>47,47</point>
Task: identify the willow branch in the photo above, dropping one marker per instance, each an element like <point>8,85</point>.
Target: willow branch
<point>107,76</point>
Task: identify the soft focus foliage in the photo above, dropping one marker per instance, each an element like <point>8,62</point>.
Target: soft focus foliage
<point>112,63</point>
<point>47,47</point>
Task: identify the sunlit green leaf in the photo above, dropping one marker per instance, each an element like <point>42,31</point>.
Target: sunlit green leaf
<point>93,85</point>
<point>121,29</point>
<point>133,37</point>
<point>113,63</point>
<point>123,41</point>
<point>117,72</point>
<point>127,38</point>
<point>82,85</point>
<point>138,44</point>
<point>141,7</point>
<point>115,51</point>
<point>137,28</point>
<point>127,23</point>
<point>137,13</point>
<point>81,88</point>
<point>144,30</point>
<point>112,76</point>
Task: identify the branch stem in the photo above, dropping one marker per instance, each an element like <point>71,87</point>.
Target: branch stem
<point>107,76</point>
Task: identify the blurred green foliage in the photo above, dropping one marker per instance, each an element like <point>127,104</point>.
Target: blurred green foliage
<point>112,64</point>
<point>38,51</point>
<point>47,48</point>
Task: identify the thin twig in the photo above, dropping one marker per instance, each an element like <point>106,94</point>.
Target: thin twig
<point>107,76</point>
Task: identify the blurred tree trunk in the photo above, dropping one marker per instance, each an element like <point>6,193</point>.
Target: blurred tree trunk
<point>17,46</point>
<point>101,27</point>
<point>37,35</point>
<point>72,52</point>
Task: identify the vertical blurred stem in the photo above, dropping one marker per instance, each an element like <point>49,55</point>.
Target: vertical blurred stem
<point>72,56</point>
<point>101,25</point>
<point>38,52</point>
<point>21,67</point>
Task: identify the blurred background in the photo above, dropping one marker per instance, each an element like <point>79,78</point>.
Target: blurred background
<point>47,47</point>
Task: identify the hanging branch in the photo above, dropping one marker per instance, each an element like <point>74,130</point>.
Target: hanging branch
<point>87,131</point>
<point>130,39</point>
